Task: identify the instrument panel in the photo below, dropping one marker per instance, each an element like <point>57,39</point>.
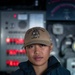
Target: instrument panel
<point>58,19</point>
<point>13,25</point>
<point>60,9</point>
<point>63,37</point>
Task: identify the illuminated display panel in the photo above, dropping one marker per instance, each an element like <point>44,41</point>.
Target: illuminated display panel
<point>60,9</point>
<point>22,16</point>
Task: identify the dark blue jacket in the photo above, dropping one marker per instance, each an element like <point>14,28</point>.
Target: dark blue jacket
<point>54,68</point>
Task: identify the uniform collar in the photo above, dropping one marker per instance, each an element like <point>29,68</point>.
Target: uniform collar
<point>28,68</point>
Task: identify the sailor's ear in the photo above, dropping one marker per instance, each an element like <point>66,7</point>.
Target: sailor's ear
<point>51,46</point>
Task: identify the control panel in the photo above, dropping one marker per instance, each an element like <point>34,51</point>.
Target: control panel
<point>13,25</point>
<point>63,38</point>
<point>61,10</point>
<point>60,17</point>
<point>71,65</point>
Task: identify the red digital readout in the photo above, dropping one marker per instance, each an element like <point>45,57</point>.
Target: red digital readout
<point>12,63</point>
<point>22,51</point>
<point>19,41</point>
<point>15,51</point>
<point>12,52</point>
<point>14,41</point>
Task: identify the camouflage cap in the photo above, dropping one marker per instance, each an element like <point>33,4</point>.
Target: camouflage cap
<point>37,35</point>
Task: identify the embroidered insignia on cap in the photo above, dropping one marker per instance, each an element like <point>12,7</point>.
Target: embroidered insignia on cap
<point>35,34</point>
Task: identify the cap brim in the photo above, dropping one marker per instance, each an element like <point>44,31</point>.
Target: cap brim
<point>38,42</point>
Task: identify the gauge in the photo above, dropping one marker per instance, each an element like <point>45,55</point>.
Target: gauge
<point>73,46</point>
<point>57,10</point>
<point>67,44</point>
<point>22,24</point>
<point>58,29</point>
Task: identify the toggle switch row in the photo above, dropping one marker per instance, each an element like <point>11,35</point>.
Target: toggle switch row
<point>14,40</point>
<point>15,51</point>
<point>12,63</point>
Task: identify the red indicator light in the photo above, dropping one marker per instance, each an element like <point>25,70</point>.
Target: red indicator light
<point>16,40</point>
<point>7,62</point>
<point>14,15</point>
<point>7,51</point>
<point>13,52</point>
<point>10,63</point>
<point>12,40</point>
<point>8,40</point>
<point>21,41</point>
<point>10,52</point>
<point>16,63</point>
<point>24,51</point>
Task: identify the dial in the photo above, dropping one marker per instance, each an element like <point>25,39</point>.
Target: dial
<point>73,46</point>
<point>22,24</point>
<point>58,29</point>
<point>61,10</point>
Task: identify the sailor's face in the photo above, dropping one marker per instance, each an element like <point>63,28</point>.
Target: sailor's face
<point>38,54</point>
